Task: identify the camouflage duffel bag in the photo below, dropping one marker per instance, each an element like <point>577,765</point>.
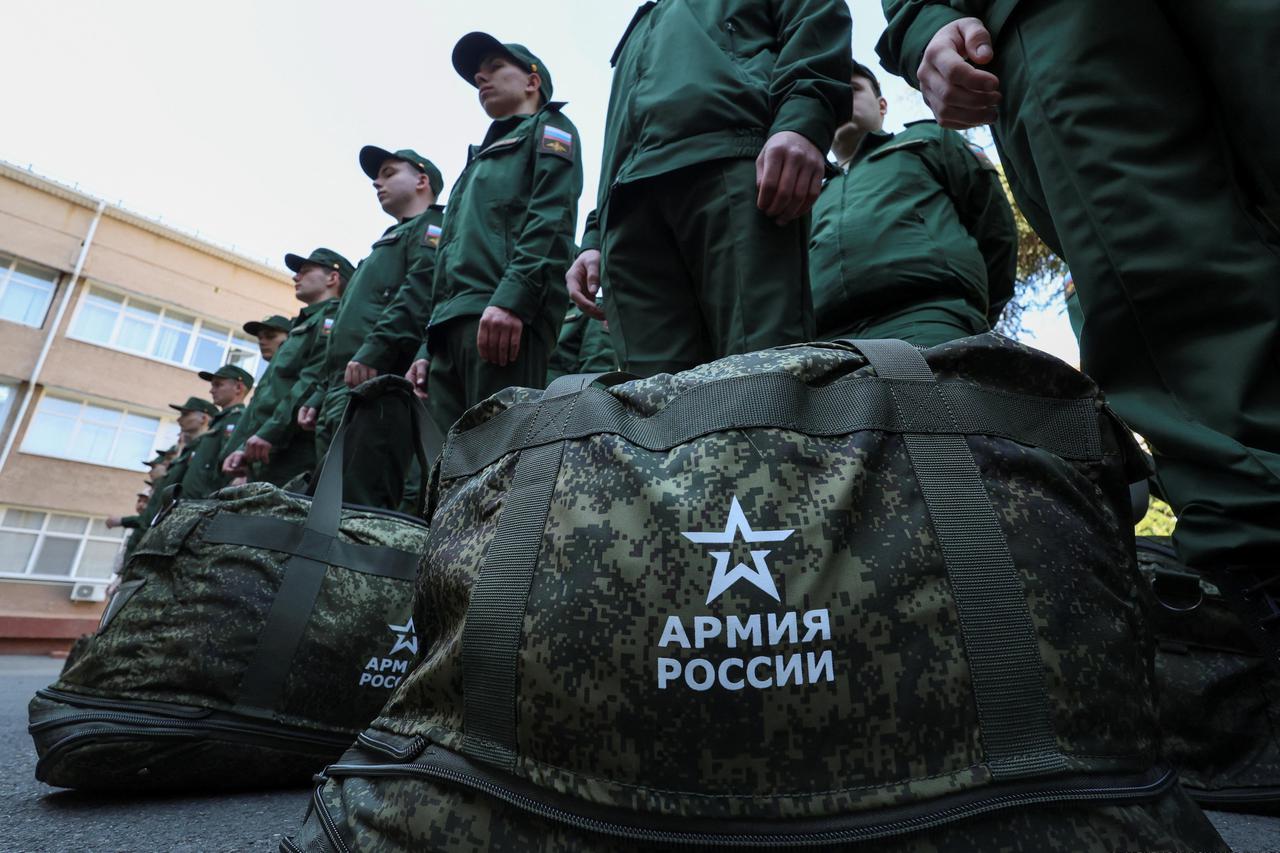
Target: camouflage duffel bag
<point>1219,699</point>
<point>253,635</point>
<point>816,595</point>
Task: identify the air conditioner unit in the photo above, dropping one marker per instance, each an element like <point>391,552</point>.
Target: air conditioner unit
<point>88,592</point>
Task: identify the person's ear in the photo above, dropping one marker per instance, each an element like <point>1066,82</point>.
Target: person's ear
<point>884,106</point>
<point>535,83</point>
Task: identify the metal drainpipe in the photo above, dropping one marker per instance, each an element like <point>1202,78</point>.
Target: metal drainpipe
<point>48,339</point>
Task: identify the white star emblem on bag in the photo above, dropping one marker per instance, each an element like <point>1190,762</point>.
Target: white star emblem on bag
<point>757,574</point>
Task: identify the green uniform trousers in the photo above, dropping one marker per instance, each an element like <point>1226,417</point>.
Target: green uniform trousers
<point>1117,131</point>
<point>459,378</point>
<point>296,457</point>
<point>922,326</point>
<point>693,271</point>
<point>379,444</point>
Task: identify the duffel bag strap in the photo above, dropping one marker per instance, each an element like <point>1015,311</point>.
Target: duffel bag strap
<point>995,622</point>
<point>573,382</point>
<point>264,679</point>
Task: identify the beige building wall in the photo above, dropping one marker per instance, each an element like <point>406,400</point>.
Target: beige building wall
<point>45,223</point>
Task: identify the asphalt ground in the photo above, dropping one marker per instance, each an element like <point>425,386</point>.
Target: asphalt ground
<point>35,818</point>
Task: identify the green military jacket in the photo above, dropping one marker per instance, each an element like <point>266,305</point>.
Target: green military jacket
<point>203,472</point>
<point>267,392</point>
<point>910,24</point>
<point>508,235</point>
<point>297,368</point>
<point>394,281</point>
<point>701,80</point>
<point>177,469</point>
<point>918,218</point>
<point>584,347</point>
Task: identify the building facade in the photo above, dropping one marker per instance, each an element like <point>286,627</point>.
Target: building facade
<point>105,317</point>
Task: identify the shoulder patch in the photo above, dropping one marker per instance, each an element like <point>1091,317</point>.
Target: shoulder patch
<point>556,141</point>
<point>327,327</point>
<point>981,156</point>
<point>431,237</point>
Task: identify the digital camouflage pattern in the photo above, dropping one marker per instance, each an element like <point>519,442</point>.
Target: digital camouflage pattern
<point>194,611</point>
<point>387,815</point>
<point>1219,700</point>
<point>895,725</point>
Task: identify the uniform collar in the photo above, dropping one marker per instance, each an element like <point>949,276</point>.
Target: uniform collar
<point>873,140</point>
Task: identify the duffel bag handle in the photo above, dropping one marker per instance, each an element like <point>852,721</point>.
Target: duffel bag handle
<point>326,489</point>
<point>573,382</point>
<point>1000,639</point>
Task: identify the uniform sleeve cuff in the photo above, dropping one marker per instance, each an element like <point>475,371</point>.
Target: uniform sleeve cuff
<point>808,117</point>
<point>513,295</point>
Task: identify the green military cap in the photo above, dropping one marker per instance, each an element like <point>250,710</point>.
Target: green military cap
<point>472,48</point>
<point>193,404</point>
<point>228,371</point>
<point>275,321</point>
<point>327,258</point>
<point>372,157</point>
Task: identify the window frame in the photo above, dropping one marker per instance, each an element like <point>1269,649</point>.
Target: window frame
<point>232,342</point>
<point>164,425</point>
<point>43,533</point>
<point>6,277</point>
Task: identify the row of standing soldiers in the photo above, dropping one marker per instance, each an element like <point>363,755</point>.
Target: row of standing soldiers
<point>1133,139</point>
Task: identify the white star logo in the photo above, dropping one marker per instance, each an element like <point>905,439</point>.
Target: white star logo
<point>406,638</point>
<point>737,525</point>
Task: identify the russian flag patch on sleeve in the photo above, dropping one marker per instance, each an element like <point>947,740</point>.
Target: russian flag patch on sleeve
<point>328,325</point>
<point>556,141</point>
<point>432,236</point>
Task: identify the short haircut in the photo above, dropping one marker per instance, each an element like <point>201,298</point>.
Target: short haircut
<point>860,70</point>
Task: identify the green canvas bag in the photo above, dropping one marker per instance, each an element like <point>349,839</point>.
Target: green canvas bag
<point>253,635</point>
<point>816,595</point>
<point>1219,699</point>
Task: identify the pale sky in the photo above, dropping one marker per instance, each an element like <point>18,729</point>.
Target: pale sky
<point>240,121</point>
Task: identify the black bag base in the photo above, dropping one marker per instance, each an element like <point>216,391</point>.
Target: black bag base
<point>113,745</point>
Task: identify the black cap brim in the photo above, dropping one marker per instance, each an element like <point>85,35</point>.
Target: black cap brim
<point>371,159</point>
<point>253,327</point>
<point>294,262</point>
<point>471,50</point>
<point>206,376</point>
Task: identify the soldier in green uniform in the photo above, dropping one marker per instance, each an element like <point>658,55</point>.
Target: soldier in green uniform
<point>1142,143</point>
<point>228,387</point>
<point>194,417</point>
<point>584,346</point>
<point>914,239</point>
<point>271,447</point>
<point>718,118</point>
<point>379,322</point>
<point>508,236</point>
<point>272,333</point>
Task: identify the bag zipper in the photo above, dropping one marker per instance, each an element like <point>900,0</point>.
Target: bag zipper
<point>448,766</point>
<point>327,822</point>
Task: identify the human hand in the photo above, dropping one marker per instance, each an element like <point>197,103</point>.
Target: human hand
<point>583,281</point>
<point>233,463</point>
<point>498,338</point>
<point>257,449</point>
<point>239,481</point>
<point>307,416</point>
<point>960,95</point>
<point>417,376</point>
<point>788,176</point>
<point>357,373</point>
<point>113,521</point>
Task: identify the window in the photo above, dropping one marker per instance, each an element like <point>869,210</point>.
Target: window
<point>51,545</point>
<point>87,432</point>
<point>8,393</point>
<point>25,291</point>
<point>143,328</point>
